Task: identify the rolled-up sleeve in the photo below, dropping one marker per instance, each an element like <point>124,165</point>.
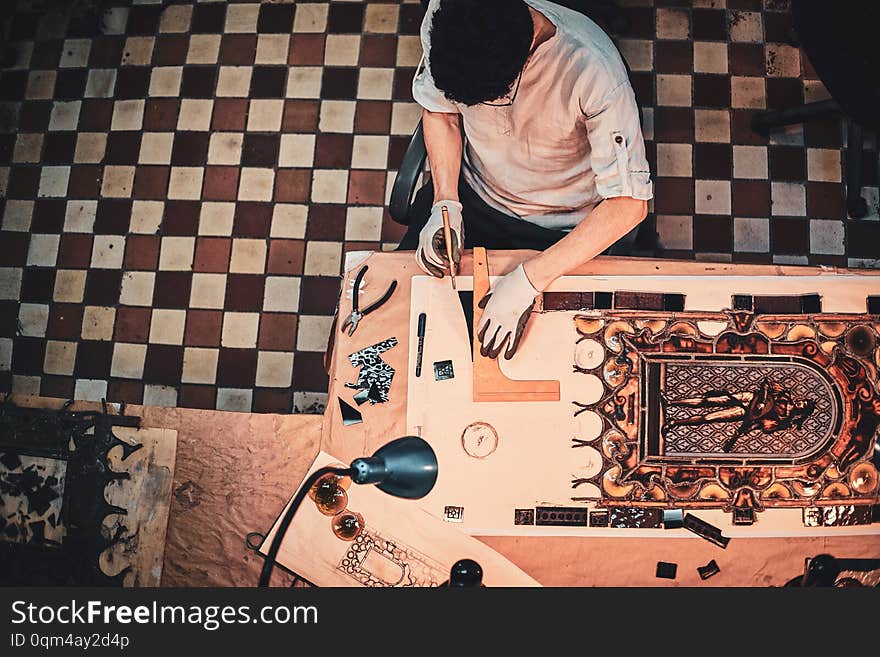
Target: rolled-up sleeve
<point>618,147</point>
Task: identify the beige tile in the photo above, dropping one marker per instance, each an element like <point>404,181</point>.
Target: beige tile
<point>32,319</point>
<point>281,294</point>
<point>710,57</point>
<point>26,385</point>
<point>40,85</point>
<point>363,224</point>
<point>712,196</point>
<point>65,115</point>
<point>208,291</point>
<point>265,115</point>
<point>165,81</point>
<point>750,162</point>
<point>90,147</point>
<point>90,390</point>
<point>237,400</point>
<point>747,92</point>
<point>329,186</point>
<point>404,118</point>
<point>156,148</point>
<point>827,236</point>
<point>746,26</point>
<point>381,18</point>
<point>312,332</point>
<point>296,150</point>
<point>43,250</point>
<point>304,82</point>
<point>783,60</point>
<point>248,256</point>
<point>674,160</point>
<point>10,283</point>
<point>712,125</point>
<point>17,216</point>
<point>138,51</point>
<point>256,184</point>
<point>788,199</point>
<point>176,253</point>
<point>4,180</point>
<point>675,232</point>
<point>751,234</point>
<point>203,49</point>
<point>823,164</point>
<point>272,48</point>
<point>166,326</point>
<point>814,91</point>
<point>146,217</point>
<point>240,330</point>
<point>107,251</point>
<point>200,365</point>
<point>216,218</point>
<point>242,19</point>
<point>274,369</point>
<point>79,216</point>
<point>323,258</point>
<point>289,221</point>
<point>176,18</point>
<point>5,354</point>
<point>28,147</point>
<point>409,50</point>
<point>342,49</point>
<point>674,90</point>
<point>117,182</point>
<point>157,395</point>
<point>234,81</point>
<point>337,116</point>
<point>53,181</point>
<point>97,323</point>
<point>70,284</point>
<point>310,17</point>
<point>225,148</point>
<point>128,360</point>
<point>195,114</point>
<point>127,115</point>
<point>673,23</point>
<point>638,53</point>
<point>101,83</point>
<point>137,288</point>
<point>375,83</point>
<point>369,152</point>
<point>186,183</point>
<point>60,357</point>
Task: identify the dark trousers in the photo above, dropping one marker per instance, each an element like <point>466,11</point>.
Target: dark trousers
<point>483,225</point>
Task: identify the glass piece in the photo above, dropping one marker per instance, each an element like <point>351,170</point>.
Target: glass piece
<point>348,525</point>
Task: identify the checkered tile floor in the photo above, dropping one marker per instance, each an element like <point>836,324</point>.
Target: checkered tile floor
<point>181,180</point>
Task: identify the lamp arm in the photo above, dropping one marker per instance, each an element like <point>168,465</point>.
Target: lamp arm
<point>269,563</point>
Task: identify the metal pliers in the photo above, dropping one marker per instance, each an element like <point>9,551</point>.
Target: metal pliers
<point>351,322</point>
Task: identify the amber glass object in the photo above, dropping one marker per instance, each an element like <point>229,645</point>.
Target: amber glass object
<point>348,525</point>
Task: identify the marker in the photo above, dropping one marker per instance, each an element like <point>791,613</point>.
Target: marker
<point>421,348</point>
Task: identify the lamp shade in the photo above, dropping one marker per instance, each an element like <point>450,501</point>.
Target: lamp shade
<point>465,573</point>
<point>406,467</point>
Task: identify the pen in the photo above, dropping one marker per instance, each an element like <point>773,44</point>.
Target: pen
<point>421,347</point>
<point>447,237</point>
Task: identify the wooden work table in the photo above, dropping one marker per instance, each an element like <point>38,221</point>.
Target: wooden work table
<point>235,471</point>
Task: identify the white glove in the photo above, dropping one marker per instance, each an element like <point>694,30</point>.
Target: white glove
<point>431,254</point>
<point>507,308</point>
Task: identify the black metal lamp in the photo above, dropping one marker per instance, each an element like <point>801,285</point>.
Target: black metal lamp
<point>405,467</point>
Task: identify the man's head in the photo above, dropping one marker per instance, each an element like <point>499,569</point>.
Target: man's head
<point>479,47</point>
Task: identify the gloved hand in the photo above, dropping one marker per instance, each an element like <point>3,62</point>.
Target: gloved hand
<point>507,308</point>
<point>431,254</point>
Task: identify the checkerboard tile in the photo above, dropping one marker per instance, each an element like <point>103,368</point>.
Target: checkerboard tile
<point>181,180</point>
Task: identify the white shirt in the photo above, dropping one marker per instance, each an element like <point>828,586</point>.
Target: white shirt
<point>572,136</point>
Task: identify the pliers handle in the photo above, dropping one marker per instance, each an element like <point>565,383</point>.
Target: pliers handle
<point>351,322</point>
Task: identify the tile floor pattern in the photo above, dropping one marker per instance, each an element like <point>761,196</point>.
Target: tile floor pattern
<point>180,185</point>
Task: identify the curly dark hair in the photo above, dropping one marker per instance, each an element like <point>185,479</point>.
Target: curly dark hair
<point>479,47</point>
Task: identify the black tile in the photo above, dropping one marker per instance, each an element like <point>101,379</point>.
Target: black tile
<point>65,321</point>
<point>34,116</point>
<point>113,217</point>
<point>712,91</point>
<point>164,363</point>
<point>339,83</point>
<point>674,57</point>
<point>93,359</point>
<point>102,287</point>
<point>123,147</point>
<point>713,234</point>
<point>23,182</point>
<point>38,284</point>
<point>268,82</point>
<point>9,318</point>
<point>787,163</point>
<point>260,150</point>
<point>132,82</point>
<point>46,54</point>
<point>674,124</point>
<point>411,16</point>
<point>59,147</point>
<point>789,236</point>
<point>24,25</point>
<point>70,84</point>
<point>244,292</point>
<point>862,238</point>
<point>198,81</point>
<point>172,289</point>
<point>319,295</point>
<point>95,115</point>
<point>171,50</point>
<point>309,373</point>
<point>27,356</point>
<point>345,18</point>
<point>106,51</point>
<point>746,59</point>
<point>783,93</point>
<point>13,85</point>
<point>237,367</point>
<point>7,147</point>
<point>750,198</point>
<point>48,216</point>
<point>59,387</point>
<point>276,18</point>
<point>778,27</point>
<point>252,219</point>
<point>190,148</point>
<point>713,161</point>
<point>143,19</point>
<point>181,218</point>
<point>709,24</point>
<point>208,18</point>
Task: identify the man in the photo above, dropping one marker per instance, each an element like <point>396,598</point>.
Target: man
<point>534,142</point>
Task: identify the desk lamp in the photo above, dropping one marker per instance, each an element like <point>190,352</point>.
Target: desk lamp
<point>405,467</point>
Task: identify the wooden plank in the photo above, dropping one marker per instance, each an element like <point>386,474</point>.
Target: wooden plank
<point>490,383</point>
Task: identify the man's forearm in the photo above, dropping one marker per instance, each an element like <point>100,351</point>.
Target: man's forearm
<point>443,143</point>
<point>611,220</point>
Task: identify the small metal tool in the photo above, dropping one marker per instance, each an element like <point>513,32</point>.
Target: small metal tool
<point>447,237</point>
<point>421,348</point>
<point>351,322</point>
